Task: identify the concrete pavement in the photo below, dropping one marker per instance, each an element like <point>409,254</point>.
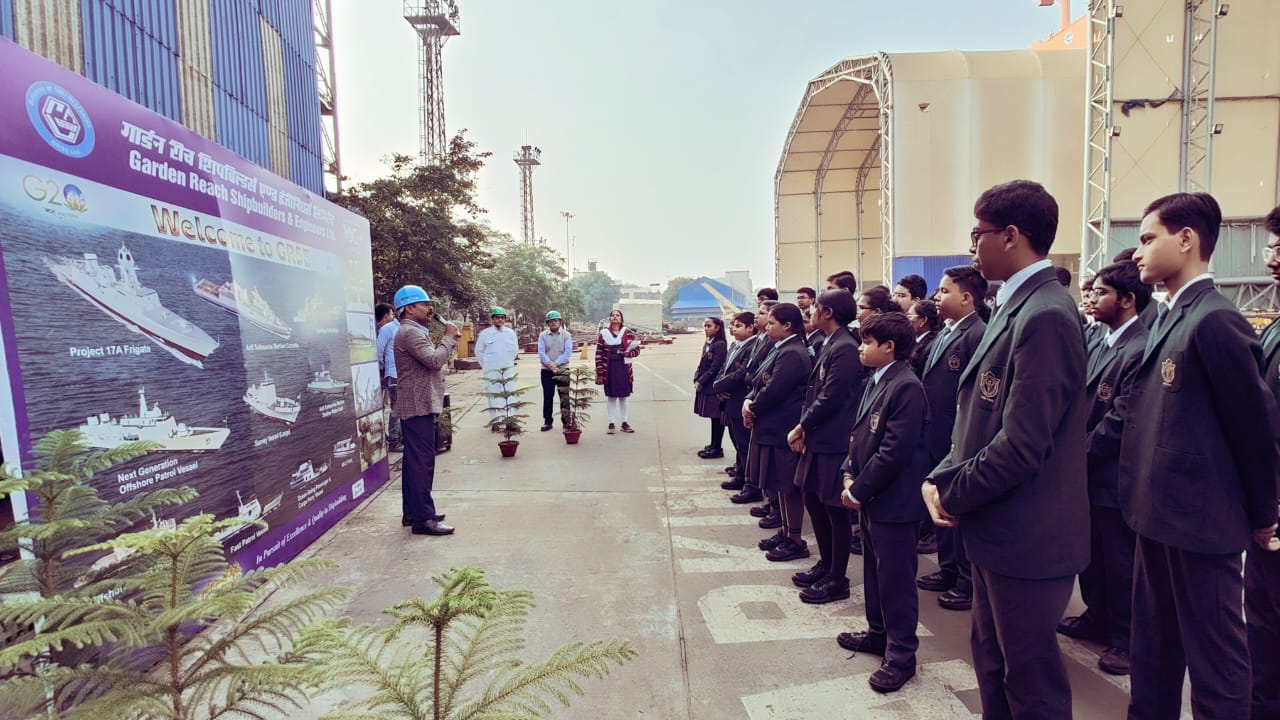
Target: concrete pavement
<point>630,536</point>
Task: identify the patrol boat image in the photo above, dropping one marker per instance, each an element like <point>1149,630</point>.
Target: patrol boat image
<point>344,448</point>
<point>264,401</point>
<point>153,425</point>
<point>306,473</point>
<point>131,304</point>
<point>325,382</point>
<point>248,304</point>
<point>249,512</point>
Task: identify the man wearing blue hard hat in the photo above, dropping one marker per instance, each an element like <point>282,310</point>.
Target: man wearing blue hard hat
<point>420,366</point>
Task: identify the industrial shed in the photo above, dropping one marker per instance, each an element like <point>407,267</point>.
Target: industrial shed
<point>705,297</point>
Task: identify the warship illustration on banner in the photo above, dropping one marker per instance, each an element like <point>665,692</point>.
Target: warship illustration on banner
<point>263,399</point>
<point>131,304</point>
<point>248,304</point>
<point>152,425</point>
<point>306,473</point>
<point>344,448</point>
<point>325,382</point>
<point>250,510</point>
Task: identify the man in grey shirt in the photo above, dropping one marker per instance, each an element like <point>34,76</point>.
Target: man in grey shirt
<point>555,346</point>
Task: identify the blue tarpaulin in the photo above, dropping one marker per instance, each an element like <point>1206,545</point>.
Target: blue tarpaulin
<point>695,300</point>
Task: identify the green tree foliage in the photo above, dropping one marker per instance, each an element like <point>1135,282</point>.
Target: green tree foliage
<point>581,394</point>
<point>599,292</point>
<point>423,225</point>
<point>672,292</point>
<point>421,667</point>
<point>529,280</point>
<point>153,661</point>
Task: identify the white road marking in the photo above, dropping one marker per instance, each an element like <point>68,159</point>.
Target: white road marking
<point>723,611</point>
<point>930,695</point>
<point>679,389</point>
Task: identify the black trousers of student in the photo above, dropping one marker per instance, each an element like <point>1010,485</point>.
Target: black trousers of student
<point>1262,610</point>
<point>829,523</point>
<point>1106,585</point>
<point>740,437</point>
<point>549,389</point>
<point>889,566</point>
<point>1186,617</point>
<point>1015,646</point>
<point>952,559</point>
<point>419,467</point>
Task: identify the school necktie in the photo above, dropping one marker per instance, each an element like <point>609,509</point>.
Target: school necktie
<point>939,344</point>
<point>866,396</point>
<point>1162,312</point>
<point>1270,337</point>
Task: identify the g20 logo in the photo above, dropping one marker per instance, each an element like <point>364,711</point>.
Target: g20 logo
<point>44,190</point>
<point>60,119</point>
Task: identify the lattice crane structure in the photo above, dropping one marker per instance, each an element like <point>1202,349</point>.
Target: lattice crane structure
<point>435,21</point>
<point>327,82</point>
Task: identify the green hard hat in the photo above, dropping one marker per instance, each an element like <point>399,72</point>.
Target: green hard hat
<point>553,315</point>
<point>498,311</point>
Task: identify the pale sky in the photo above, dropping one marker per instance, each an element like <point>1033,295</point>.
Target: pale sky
<point>661,122</point>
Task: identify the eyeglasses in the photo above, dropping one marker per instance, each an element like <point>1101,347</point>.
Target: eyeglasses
<point>865,307</point>
<point>976,234</point>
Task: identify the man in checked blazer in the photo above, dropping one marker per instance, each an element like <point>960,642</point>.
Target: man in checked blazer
<point>1197,473</point>
<point>1262,566</point>
<point>1106,585</point>
<point>1014,479</point>
<point>960,297</point>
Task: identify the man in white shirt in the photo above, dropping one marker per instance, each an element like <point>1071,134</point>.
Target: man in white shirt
<point>496,349</point>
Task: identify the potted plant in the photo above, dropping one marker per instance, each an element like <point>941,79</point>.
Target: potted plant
<point>508,395</point>
<point>581,392</point>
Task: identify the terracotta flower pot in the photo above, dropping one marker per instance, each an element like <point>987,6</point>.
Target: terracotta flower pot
<point>508,447</point>
<point>571,436</point>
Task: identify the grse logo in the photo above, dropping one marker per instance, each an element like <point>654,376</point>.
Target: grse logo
<point>44,190</point>
<point>60,119</point>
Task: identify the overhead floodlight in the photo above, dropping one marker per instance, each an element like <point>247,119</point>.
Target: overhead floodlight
<point>1223,9</point>
<point>1119,12</point>
<point>1115,131</point>
<point>1217,128</point>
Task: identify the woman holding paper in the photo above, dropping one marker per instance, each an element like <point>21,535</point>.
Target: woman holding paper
<point>616,348</point>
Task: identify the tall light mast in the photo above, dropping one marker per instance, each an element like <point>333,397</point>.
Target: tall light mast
<point>527,157</point>
<point>435,21</point>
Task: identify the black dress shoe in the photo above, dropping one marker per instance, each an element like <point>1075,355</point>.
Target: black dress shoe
<point>432,527</point>
<point>733,484</point>
<point>889,678</point>
<point>748,495</point>
<point>855,543</point>
<point>811,576</point>
<point>730,469</point>
<point>772,541</point>
<point>545,427</point>
<point>1115,661</point>
<point>828,590</point>
<point>861,641</point>
<point>927,545</point>
<point>760,511</point>
<point>711,454</point>
<point>1082,628</point>
<point>771,521</point>
<point>406,521</point>
<point>936,582</point>
<point>788,549</point>
<point>954,600</point>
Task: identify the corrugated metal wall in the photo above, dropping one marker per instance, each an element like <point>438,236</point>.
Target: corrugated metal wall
<point>50,28</point>
<point>195,67</point>
<point>131,47</point>
<point>1241,251</point>
<point>239,71</point>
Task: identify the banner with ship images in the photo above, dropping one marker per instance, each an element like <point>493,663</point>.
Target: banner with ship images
<point>156,286</point>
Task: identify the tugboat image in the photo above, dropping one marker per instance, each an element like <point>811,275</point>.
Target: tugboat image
<point>131,304</point>
<point>264,401</point>
<point>152,425</point>
<point>248,304</point>
<point>306,473</point>
<point>344,448</point>
<point>325,382</point>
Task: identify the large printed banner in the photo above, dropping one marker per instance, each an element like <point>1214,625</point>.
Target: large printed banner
<point>155,286</point>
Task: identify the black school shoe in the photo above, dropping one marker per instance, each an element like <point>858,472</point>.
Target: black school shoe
<point>955,600</point>
<point>829,589</point>
<point>1115,661</point>
<point>733,484</point>
<point>788,549</point>
<point>771,521</point>
<point>806,578</point>
<point>406,521</point>
<point>711,454</point>
<point>772,541</point>
<point>862,642</point>
<point>760,511</point>
<point>889,678</point>
<point>936,582</point>
<point>747,495</point>
<point>855,542</point>
<point>1082,628</point>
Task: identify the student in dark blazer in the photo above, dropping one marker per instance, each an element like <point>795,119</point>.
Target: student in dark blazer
<point>822,439</point>
<point>731,387</point>
<point>1262,566</point>
<point>1197,473</point>
<point>1015,476</point>
<point>927,322</point>
<point>771,410</point>
<point>1106,585</point>
<point>960,304</point>
<point>1148,316</point>
<point>751,491</point>
<point>706,403</point>
<point>881,478</point>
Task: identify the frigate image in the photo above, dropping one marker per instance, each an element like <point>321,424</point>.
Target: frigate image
<point>263,399</point>
<point>131,304</point>
<point>152,425</point>
<point>248,304</point>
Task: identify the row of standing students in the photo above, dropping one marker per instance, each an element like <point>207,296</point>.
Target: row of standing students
<point>1045,442</point>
